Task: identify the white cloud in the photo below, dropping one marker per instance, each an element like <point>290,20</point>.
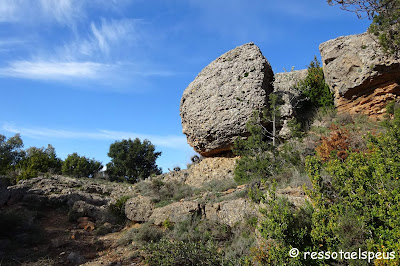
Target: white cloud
<point>108,36</point>
<point>65,12</point>
<point>170,141</point>
<point>43,70</point>
<point>108,75</point>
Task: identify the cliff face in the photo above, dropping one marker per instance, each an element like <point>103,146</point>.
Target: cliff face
<point>362,76</point>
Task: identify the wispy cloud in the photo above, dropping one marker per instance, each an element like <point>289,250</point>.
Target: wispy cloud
<point>104,38</point>
<point>169,141</point>
<point>109,75</point>
<point>42,70</point>
<point>66,12</point>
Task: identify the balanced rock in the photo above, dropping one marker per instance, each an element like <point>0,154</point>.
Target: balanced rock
<point>362,76</point>
<point>216,106</point>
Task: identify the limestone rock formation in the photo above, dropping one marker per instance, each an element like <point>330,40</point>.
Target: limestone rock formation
<point>84,197</point>
<point>231,212</point>
<point>285,86</point>
<point>217,104</point>
<point>175,212</point>
<point>207,170</point>
<point>139,208</point>
<point>360,74</point>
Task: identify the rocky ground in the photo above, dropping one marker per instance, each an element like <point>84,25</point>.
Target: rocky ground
<point>65,221</point>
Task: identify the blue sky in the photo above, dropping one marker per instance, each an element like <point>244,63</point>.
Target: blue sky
<point>81,74</point>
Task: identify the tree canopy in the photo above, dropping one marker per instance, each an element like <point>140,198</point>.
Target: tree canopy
<point>132,160</point>
<point>80,166</point>
<point>385,16</point>
<point>10,153</point>
<point>39,161</point>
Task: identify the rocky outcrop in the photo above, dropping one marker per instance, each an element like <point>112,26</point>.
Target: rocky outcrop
<point>285,85</point>
<point>217,104</point>
<point>84,197</point>
<point>362,76</point>
<point>176,212</point>
<point>231,212</point>
<point>139,208</point>
<point>207,170</point>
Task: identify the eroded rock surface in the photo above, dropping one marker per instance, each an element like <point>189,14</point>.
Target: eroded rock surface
<point>139,208</point>
<point>217,104</point>
<point>231,212</point>
<point>285,85</point>
<point>362,76</point>
<point>175,212</point>
<point>208,170</point>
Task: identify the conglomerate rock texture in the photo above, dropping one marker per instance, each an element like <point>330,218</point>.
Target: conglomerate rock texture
<point>216,106</point>
<point>362,76</point>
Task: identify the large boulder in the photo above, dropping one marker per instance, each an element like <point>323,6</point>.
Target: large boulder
<point>176,212</point>
<point>362,76</point>
<point>139,208</point>
<point>217,104</point>
<point>231,212</point>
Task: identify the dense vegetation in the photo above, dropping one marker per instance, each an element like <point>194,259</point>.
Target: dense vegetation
<point>80,166</point>
<point>351,177</point>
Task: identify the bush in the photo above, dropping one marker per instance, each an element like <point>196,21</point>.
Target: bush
<point>359,206</point>
<point>118,208</point>
<point>80,166</point>
<point>314,89</point>
<point>164,193</point>
<point>39,161</point>
<point>285,227</point>
<point>176,253</point>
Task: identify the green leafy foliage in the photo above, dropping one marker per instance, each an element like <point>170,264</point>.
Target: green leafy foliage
<point>118,208</point>
<point>285,227</point>
<point>165,253</point>
<point>80,166</point>
<point>259,158</point>
<point>314,89</point>
<point>358,206</point>
<point>39,161</point>
<point>10,153</point>
<point>132,160</point>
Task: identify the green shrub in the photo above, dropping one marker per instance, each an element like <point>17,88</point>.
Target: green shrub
<point>314,89</point>
<point>146,233</point>
<point>39,161</point>
<point>164,193</point>
<point>359,206</point>
<point>179,253</point>
<point>286,227</point>
<point>118,208</point>
<point>80,166</point>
